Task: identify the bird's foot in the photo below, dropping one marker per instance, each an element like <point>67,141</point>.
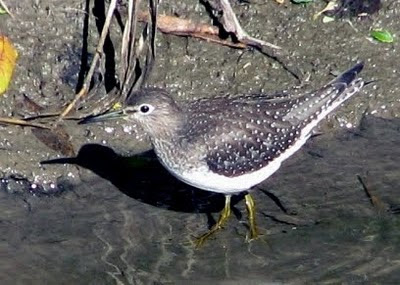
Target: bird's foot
<point>226,212</point>
<point>251,210</point>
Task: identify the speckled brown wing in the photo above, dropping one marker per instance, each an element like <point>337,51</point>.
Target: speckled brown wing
<point>242,134</point>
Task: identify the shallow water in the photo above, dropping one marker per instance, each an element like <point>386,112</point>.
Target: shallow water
<point>139,230</point>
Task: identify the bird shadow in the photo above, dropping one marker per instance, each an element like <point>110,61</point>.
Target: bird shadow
<point>143,178</point>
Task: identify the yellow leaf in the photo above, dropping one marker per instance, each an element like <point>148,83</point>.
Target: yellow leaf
<point>116,106</point>
<point>8,56</point>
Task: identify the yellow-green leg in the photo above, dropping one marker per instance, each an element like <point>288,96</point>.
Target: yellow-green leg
<point>251,210</point>
<point>226,212</point>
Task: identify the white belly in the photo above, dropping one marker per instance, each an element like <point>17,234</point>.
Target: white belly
<point>205,179</point>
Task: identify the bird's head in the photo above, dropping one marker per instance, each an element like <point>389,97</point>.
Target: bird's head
<point>152,109</point>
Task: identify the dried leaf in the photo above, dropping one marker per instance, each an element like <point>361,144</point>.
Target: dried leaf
<point>57,139</point>
<point>185,27</point>
<point>174,25</point>
<point>8,56</point>
<point>25,105</point>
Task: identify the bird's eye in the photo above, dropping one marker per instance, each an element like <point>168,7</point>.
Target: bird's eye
<point>145,109</point>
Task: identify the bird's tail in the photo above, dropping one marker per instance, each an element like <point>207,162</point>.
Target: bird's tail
<point>314,106</point>
<point>349,75</point>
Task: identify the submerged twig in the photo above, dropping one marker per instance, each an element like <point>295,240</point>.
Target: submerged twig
<point>375,200</point>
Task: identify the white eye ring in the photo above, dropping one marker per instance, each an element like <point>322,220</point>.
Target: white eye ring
<point>145,109</point>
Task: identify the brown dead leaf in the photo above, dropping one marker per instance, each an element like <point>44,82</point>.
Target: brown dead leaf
<point>26,106</point>
<point>184,27</point>
<point>56,138</point>
<point>187,28</point>
<point>175,25</point>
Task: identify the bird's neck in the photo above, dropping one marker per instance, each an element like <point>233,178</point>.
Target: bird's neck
<point>174,137</point>
<point>170,131</point>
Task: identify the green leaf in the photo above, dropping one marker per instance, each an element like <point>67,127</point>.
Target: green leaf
<point>302,1</point>
<point>2,11</point>
<point>382,36</point>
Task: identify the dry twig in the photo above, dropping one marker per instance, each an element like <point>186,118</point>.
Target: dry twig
<point>5,8</point>
<point>22,123</point>
<point>99,50</point>
<point>232,25</point>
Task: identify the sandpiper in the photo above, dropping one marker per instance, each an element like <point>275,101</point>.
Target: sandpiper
<point>230,144</point>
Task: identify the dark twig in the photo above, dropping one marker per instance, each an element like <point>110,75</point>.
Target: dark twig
<point>369,191</point>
